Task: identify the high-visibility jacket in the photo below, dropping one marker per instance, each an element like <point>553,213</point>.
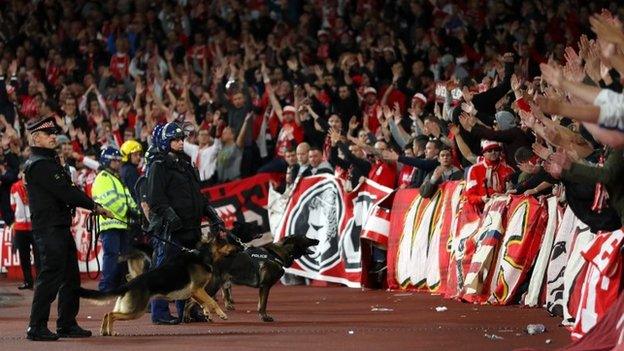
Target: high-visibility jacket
<point>112,194</point>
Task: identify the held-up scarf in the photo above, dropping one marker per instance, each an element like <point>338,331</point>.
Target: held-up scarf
<point>491,177</point>
<point>600,193</point>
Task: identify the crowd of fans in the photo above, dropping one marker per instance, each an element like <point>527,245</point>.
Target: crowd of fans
<point>513,96</point>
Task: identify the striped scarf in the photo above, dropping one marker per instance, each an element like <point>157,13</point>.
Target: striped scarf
<point>600,193</point>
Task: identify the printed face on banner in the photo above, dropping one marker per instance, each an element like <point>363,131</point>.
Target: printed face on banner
<point>318,215</point>
<point>350,241</point>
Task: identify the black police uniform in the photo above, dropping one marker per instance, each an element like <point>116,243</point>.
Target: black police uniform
<point>174,195</point>
<point>177,204</point>
<point>52,198</point>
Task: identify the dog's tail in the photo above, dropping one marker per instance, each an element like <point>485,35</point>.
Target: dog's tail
<point>102,296</point>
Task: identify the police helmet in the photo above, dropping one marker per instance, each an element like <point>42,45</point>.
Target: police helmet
<point>109,154</point>
<point>150,154</point>
<point>156,134</point>
<point>170,131</point>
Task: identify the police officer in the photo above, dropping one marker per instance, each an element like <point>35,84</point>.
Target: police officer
<point>175,199</point>
<point>52,198</point>
<point>109,190</point>
<point>131,152</point>
<point>140,187</point>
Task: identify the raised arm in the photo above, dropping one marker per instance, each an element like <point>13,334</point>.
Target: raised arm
<point>240,140</point>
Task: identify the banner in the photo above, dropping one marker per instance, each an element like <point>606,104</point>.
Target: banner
<point>487,240</point>
<point>534,296</point>
<point>608,334</point>
<point>559,254</point>
<point>9,260</point>
<point>276,207</point>
<point>602,282</point>
<point>243,200</point>
<point>320,208</point>
<point>418,249</point>
<point>376,227</point>
<point>462,247</point>
<point>526,222</point>
<point>575,273</point>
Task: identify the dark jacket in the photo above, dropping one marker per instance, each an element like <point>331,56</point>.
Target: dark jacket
<point>534,180</point>
<point>485,102</point>
<point>609,175</point>
<point>10,176</point>
<point>429,188</point>
<point>423,168</point>
<point>129,176</point>
<point>347,108</point>
<point>174,192</point>
<point>51,193</point>
<point>357,167</point>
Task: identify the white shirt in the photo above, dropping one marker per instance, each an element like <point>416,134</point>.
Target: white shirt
<point>203,159</point>
<point>611,109</point>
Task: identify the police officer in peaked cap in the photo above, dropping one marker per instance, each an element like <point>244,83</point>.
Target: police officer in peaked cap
<point>53,197</point>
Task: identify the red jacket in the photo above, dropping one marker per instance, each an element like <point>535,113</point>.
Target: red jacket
<point>384,173</point>
<point>19,205</point>
<point>406,175</point>
<point>119,65</point>
<point>486,179</point>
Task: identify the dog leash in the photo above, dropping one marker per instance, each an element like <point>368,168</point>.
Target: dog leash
<point>93,227</point>
<point>161,239</point>
<point>93,218</point>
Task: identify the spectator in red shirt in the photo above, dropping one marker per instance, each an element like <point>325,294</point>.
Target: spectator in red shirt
<point>488,177</point>
<point>370,109</point>
<point>120,61</point>
<point>383,172</point>
<point>23,237</point>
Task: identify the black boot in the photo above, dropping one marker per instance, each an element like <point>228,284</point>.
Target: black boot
<point>73,332</point>
<point>25,286</point>
<point>40,334</point>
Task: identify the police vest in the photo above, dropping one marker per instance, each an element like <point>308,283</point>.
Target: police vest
<point>109,191</point>
<point>260,254</point>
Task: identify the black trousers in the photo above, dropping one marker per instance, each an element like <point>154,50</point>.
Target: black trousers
<point>59,275</point>
<point>24,241</point>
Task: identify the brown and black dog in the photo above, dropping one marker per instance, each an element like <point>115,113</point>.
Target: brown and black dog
<point>183,277</point>
<point>258,267</point>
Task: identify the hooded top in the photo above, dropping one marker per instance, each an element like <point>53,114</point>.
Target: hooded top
<point>505,120</point>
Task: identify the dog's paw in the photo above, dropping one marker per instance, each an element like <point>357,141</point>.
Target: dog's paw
<point>208,316</point>
<point>222,315</point>
<point>267,318</point>
<point>230,307</point>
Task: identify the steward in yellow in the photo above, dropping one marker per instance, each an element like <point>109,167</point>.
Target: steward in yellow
<point>109,190</point>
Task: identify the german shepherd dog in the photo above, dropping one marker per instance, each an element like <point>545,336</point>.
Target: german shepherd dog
<point>138,260</point>
<point>182,277</point>
<point>259,267</point>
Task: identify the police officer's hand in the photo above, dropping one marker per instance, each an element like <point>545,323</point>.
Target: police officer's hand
<point>99,210</point>
<point>174,221</point>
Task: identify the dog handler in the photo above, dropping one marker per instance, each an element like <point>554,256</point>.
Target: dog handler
<point>53,197</point>
<point>175,199</point>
